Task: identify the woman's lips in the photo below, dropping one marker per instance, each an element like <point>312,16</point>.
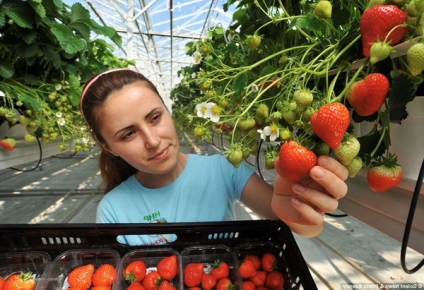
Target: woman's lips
<point>161,155</point>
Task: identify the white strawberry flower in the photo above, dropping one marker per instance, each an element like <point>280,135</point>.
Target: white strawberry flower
<point>58,87</point>
<point>197,57</point>
<point>201,109</point>
<point>61,121</point>
<point>58,114</point>
<point>272,131</point>
<point>209,110</point>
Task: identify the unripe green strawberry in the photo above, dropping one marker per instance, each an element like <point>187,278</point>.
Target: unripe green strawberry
<point>247,124</point>
<point>289,116</point>
<point>415,58</point>
<point>29,138</point>
<point>354,166</point>
<point>31,129</point>
<point>382,177</point>
<point>379,51</point>
<point>322,148</point>
<point>253,41</point>
<point>285,134</point>
<point>419,6</point>
<point>323,9</point>
<point>24,120</point>
<point>198,132</point>
<point>235,156</point>
<point>270,157</point>
<point>303,98</point>
<point>347,150</point>
<point>262,111</point>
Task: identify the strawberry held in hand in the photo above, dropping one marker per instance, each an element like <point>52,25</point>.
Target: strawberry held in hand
<point>377,22</point>
<point>367,96</point>
<point>330,123</point>
<point>295,160</point>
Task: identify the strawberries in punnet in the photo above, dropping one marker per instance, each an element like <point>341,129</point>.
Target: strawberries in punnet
<point>382,177</point>
<point>274,280</point>
<point>248,285</point>
<point>255,259</point>
<point>167,267</point>
<point>81,276</point>
<point>268,261</point>
<point>295,160</point>
<point>208,281</point>
<point>259,278</point>
<point>220,269</point>
<point>136,286</point>
<point>247,269</point>
<point>367,96</point>
<point>415,58</point>
<point>224,284</point>
<point>135,271</point>
<point>330,123</point>
<point>192,274</point>
<point>377,22</point>
<point>104,275</point>
<point>166,285</point>
<point>152,280</point>
<point>8,144</point>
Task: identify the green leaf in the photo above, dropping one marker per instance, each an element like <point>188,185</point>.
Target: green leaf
<point>38,8</point>
<point>2,19</point>
<point>370,141</point>
<point>401,93</point>
<point>67,40</point>
<point>239,84</point>
<point>82,28</point>
<point>52,56</point>
<point>19,13</point>
<point>239,13</point>
<point>79,13</point>
<point>6,70</point>
<point>31,101</point>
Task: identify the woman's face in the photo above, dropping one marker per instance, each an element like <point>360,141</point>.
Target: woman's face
<point>138,128</point>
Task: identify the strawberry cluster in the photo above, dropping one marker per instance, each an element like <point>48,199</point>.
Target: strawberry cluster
<point>88,277</point>
<point>196,276</point>
<point>159,278</point>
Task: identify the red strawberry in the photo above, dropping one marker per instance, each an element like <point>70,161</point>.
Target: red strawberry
<point>368,95</point>
<point>255,259</point>
<point>295,160</point>
<point>167,267</point>
<point>81,276</point>
<point>248,285</point>
<point>135,271</point>
<point>274,280</point>
<point>136,286</point>
<point>376,22</point>
<point>166,285</point>
<point>259,278</point>
<point>208,281</point>
<point>247,269</point>
<point>268,262</point>
<point>8,144</point>
<point>2,283</point>
<point>220,269</point>
<point>21,281</point>
<point>330,123</point>
<point>193,273</point>
<point>152,280</point>
<point>104,275</point>
<point>100,287</point>
<point>382,177</point>
<point>224,284</point>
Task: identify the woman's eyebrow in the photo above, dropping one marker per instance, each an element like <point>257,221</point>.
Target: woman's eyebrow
<point>153,111</point>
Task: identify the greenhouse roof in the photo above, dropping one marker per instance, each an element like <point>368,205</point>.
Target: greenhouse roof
<point>154,32</point>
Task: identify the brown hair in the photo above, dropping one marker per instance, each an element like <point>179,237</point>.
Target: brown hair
<point>113,169</point>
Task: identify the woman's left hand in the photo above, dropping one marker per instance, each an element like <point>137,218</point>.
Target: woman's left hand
<point>302,204</point>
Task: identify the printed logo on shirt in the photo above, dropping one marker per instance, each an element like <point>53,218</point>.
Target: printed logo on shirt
<point>157,219</point>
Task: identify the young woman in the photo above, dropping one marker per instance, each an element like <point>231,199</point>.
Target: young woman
<point>148,179</point>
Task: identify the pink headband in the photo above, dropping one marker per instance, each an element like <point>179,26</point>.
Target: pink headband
<point>94,79</point>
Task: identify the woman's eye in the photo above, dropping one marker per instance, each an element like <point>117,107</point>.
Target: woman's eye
<point>128,135</point>
<point>156,118</point>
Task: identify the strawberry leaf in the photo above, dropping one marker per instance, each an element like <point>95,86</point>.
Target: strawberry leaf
<point>239,84</point>
<point>402,92</point>
<point>370,141</point>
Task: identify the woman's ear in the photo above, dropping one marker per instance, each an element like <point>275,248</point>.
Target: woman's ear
<point>107,149</point>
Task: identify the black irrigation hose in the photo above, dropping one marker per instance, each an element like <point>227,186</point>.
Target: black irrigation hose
<point>408,224</point>
<point>40,158</point>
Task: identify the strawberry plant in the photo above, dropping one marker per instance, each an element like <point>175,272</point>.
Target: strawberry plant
<point>48,52</point>
<point>313,57</point>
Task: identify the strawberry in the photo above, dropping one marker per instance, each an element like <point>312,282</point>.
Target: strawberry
<point>193,273</point>
<point>208,281</point>
<point>262,111</point>
<point>198,132</point>
<point>268,261</point>
<point>8,144</point>
<point>167,267</point>
<point>367,96</point>
<point>347,150</point>
<point>100,287</point>
<point>81,276</point>
<point>415,58</point>
<point>274,280</point>
<point>246,124</point>
<point>21,281</point>
<point>224,284</point>
<point>136,286</point>
<point>295,160</point>
<point>152,280</point>
<point>166,285</point>
<point>220,269</point>
<point>235,156</point>
<point>247,269</point>
<point>104,275</point>
<point>303,97</point>
<point>377,22</point>
<point>2,281</point>
<point>259,278</point>
<point>270,157</point>
<point>248,285</point>
<point>323,9</point>
<point>253,41</point>
<point>255,259</point>
<point>382,177</point>
<point>330,123</point>
<point>29,138</point>
<point>354,166</point>
<point>379,51</point>
<point>135,271</point>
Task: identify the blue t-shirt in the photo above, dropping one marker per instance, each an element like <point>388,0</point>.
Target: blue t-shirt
<point>204,191</point>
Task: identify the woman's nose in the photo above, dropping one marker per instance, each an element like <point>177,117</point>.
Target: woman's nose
<point>152,139</point>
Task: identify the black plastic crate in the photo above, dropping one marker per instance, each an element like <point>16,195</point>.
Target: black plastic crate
<point>58,238</point>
